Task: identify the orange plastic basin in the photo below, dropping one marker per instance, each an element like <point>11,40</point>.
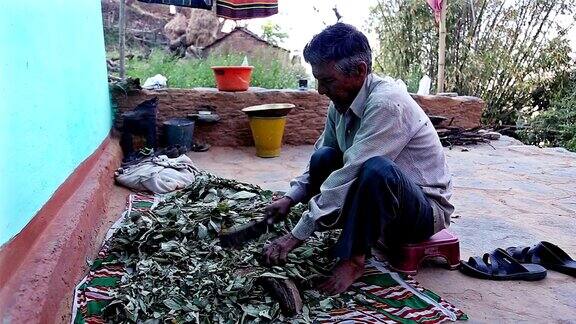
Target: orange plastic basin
<point>232,78</point>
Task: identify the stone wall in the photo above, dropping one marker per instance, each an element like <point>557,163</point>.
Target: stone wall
<point>304,123</point>
<point>466,111</point>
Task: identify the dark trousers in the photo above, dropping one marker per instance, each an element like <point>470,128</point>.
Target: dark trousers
<point>381,203</point>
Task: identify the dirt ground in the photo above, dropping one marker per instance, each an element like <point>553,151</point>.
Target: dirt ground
<point>506,194</point>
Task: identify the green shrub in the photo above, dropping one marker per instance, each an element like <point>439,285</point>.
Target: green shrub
<point>555,126</point>
<point>190,73</point>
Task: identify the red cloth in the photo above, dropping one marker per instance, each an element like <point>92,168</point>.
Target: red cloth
<point>246,9</point>
<point>436,6</point>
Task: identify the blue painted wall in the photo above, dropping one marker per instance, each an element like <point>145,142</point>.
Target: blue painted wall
<point>54,102</point>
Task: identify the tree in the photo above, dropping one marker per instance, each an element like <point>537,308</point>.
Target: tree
<point>496,49</point>
<point>553,121</point>
<point>272,33</point>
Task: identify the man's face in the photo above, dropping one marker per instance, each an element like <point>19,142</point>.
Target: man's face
<point>336,85</point>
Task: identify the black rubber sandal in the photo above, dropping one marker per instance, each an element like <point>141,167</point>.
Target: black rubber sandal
<point>546,254</point>
<point>499,265</point>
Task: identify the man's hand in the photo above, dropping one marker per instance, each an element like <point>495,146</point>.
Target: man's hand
<point>276,252</point>
<point>278,210</point>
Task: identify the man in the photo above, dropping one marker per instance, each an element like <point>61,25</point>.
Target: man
<point>378,171</point>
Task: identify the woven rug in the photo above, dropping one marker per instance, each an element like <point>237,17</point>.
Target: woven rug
<point>379,296</point>
<point>388,297</point>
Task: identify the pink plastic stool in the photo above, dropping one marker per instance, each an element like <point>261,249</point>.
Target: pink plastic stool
<point>408,258</point>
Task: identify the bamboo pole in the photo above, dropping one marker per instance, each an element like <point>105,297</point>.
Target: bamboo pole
<point>442,48</point>
<point>122,37</point>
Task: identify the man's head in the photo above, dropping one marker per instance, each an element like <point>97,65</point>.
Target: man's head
<point>341,58</point>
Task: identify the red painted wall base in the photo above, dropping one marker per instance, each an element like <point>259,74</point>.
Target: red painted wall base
<point>41,265</point>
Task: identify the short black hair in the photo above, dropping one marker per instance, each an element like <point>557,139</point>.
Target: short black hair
<point>340,43</point>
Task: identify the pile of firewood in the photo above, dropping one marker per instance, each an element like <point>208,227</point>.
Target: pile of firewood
<point>453,135</point>
<point>450,136</point>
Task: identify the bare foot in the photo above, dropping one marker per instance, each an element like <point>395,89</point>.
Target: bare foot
<point>343,275</point>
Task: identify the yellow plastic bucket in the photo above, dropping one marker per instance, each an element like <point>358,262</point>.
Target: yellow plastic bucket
<point>267,133</point>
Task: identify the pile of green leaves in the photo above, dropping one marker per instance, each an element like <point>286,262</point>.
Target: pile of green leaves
<point>178,272</point>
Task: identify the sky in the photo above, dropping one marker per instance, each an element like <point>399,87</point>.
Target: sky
<point>300,20</point>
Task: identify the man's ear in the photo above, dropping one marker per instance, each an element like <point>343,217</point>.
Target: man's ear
<point>362,70</point>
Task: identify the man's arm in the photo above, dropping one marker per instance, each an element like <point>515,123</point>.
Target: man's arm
<point>300,186</point>
<point>383,132</point>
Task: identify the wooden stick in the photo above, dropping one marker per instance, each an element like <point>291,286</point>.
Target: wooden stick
<point>442,47</point>
<point>122,37</point>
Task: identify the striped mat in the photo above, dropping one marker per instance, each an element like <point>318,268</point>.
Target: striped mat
<point>379,296</point>
<point>388,297</point>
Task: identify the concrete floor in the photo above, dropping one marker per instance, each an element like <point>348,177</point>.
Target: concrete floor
<point>506,194</point>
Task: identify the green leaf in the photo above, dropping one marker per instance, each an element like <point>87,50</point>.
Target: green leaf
<point>251,310</point>
<point>326,304</point>
<point>202,232</point>
<point>243,195</point>
<point>273,275</point>
<point>173,305</point>
<point>169,246</point>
